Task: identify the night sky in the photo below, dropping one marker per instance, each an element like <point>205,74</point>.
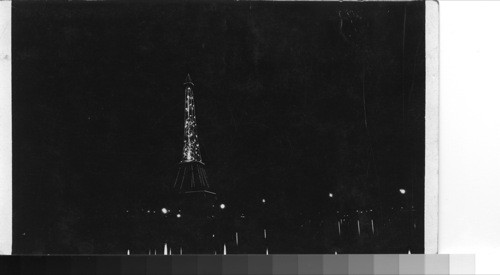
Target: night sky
<point>293,100</point>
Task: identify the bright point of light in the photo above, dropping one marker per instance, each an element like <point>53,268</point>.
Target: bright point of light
<point>179,215</point>
<point>164,210</point>
<point>263,200</point>
<point>330,195</point>
<point>222,206</point>
<point>402,191</point>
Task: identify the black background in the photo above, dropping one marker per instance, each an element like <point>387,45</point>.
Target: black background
<point>294,101</point>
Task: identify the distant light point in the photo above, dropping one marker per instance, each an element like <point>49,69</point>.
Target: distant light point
<point>222,206</point>
<point>164,210</point>
<point>402,191</point>
<point>179,215</point>
<point>330,195</point>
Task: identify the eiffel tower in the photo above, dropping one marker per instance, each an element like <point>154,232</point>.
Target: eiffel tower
<point>191,176</point>
<point>194,226</point>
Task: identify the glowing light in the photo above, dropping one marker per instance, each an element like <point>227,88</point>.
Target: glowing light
<point>330,195</point>
<point>164,210</point>
<point>222,206</point>
<point>402,191</point>
<point>179,215</point>
<point>263,200</point>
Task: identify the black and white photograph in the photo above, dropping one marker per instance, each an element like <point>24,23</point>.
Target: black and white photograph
<point>212,127</point>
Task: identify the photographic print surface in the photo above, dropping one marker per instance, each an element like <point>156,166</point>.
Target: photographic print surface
<point>218,128</point>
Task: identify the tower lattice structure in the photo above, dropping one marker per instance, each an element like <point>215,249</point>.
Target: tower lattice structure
<point>191,176</point>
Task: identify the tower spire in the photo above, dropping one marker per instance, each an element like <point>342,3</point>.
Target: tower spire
<point>191,176</point>
<point>191,150</point>
<point>188,80</point>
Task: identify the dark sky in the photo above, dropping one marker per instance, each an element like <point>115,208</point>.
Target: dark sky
<point>293,101</point>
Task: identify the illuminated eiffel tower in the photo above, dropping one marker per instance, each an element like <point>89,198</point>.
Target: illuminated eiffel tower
<point>194,226</point>
<point>191,176</point>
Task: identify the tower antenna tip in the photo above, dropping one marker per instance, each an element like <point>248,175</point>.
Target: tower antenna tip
<point>188,80</point>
